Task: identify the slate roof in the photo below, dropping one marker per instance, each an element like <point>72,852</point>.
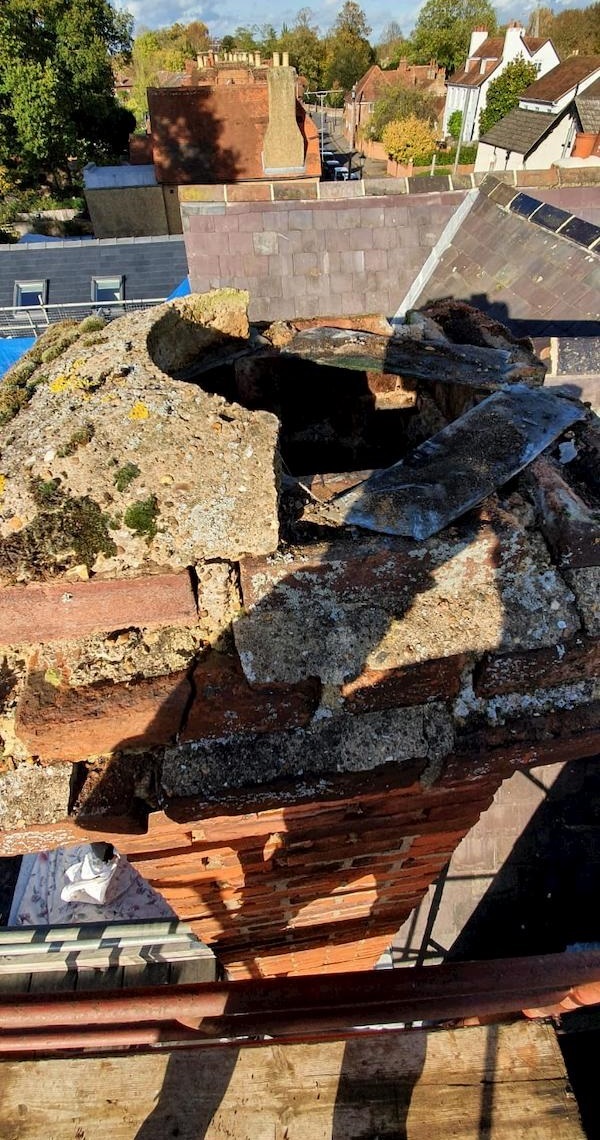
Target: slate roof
<point>490,51</point>
<point>472,77</point>
<point>520,130</point>
<point>562,79</point>
<point>588,108</point>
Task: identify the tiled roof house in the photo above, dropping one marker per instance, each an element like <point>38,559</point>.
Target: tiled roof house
<point>428,78</point>
<point>488,56</point>
<point>541,131</point>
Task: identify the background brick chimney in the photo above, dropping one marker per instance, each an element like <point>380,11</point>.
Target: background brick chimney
<point>283,149</point>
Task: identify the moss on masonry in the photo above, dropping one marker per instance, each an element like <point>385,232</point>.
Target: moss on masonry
<point>141,517</point>
<point>66,532</point>
<point>125,475</point>
<point>20,382</point>
<point>80,438</point>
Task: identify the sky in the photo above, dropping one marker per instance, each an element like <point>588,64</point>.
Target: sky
<point>226,15</point>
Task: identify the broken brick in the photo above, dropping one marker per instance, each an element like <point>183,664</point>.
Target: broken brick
<point>225,703</point>
<point>72,723</point>
<point>568,524</point>
<point>542,668</point>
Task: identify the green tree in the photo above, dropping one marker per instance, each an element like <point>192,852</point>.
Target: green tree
<point>455,124</point>
<point>307,51</point>
<point>407,139</point>
<point>349,53</point>
<point>57,102</point>
<point>503,93</point>
<point>399,103</point>
<point>444,27</point>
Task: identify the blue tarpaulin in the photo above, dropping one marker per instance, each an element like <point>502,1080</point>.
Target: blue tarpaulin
<point>12,349</point>
<point>182,290</point>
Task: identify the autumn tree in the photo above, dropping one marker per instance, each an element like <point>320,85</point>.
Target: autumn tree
<point>407,139</point>
<point>443,30</point>
<point>57,102</point>
<point>504,92</point>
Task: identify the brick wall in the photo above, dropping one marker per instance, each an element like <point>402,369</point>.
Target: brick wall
<point>315,258</point>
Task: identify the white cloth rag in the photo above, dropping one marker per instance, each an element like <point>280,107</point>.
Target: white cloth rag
<point>89,879</point>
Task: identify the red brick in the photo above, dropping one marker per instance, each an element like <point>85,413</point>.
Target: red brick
<point>50,611</point>
<point>224,702</point>
<point>413,685</point>
<point>73,723</point>
<point>540,668</point>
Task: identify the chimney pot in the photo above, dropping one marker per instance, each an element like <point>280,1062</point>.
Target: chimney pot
<point>285,59</point>
<point>275,59</point>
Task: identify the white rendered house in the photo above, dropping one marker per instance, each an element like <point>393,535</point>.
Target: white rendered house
<point>541,131</point>
<point>488,56</point>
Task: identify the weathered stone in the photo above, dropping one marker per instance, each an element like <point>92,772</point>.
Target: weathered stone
<point>586,585</point>
<point>117,465</point>
<point>383,603</point>
<point>30,795</point>
<point>331,744</point>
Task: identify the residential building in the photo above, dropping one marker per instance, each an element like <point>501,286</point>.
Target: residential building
<point>52,279</point>
<point>249,127</point>
<point>488,56</point>
<point>541,131</point>
<point>428,78</point>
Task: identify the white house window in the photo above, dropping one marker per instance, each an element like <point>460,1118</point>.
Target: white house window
<point>30,294</point>
<point>108,289</point>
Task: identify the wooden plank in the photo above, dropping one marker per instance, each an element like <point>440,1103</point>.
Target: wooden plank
<point>496,1082</point>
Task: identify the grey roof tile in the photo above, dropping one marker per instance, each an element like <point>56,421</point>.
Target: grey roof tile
<point>520,130</point>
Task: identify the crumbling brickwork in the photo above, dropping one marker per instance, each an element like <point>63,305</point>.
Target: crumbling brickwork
<point>289,743</point>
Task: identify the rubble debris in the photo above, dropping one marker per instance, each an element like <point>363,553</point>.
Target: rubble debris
<point>478,367</point>
<point>459,467</point>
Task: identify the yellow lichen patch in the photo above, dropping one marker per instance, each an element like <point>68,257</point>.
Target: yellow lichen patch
<point>139,411</point>
<point>2,484</point>
<point>71,381</point>
<point>53,677</point>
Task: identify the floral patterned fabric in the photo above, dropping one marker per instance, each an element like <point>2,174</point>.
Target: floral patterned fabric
<point>37,900</point>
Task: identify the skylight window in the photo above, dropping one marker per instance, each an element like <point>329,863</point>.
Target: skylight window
<point>30,294</point>
<point>106,289</point>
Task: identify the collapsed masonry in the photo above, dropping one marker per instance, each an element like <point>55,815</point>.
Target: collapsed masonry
<point>288,722</point>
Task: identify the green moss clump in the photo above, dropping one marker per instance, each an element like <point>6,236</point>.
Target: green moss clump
<point>92,324</point>
<point>92,339</point>
<point>45,492</point>
<point>66,532</point>
<point>141,517</point>
<point>125,475</point>
<point>79,439</point>
<point>21,381</point>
